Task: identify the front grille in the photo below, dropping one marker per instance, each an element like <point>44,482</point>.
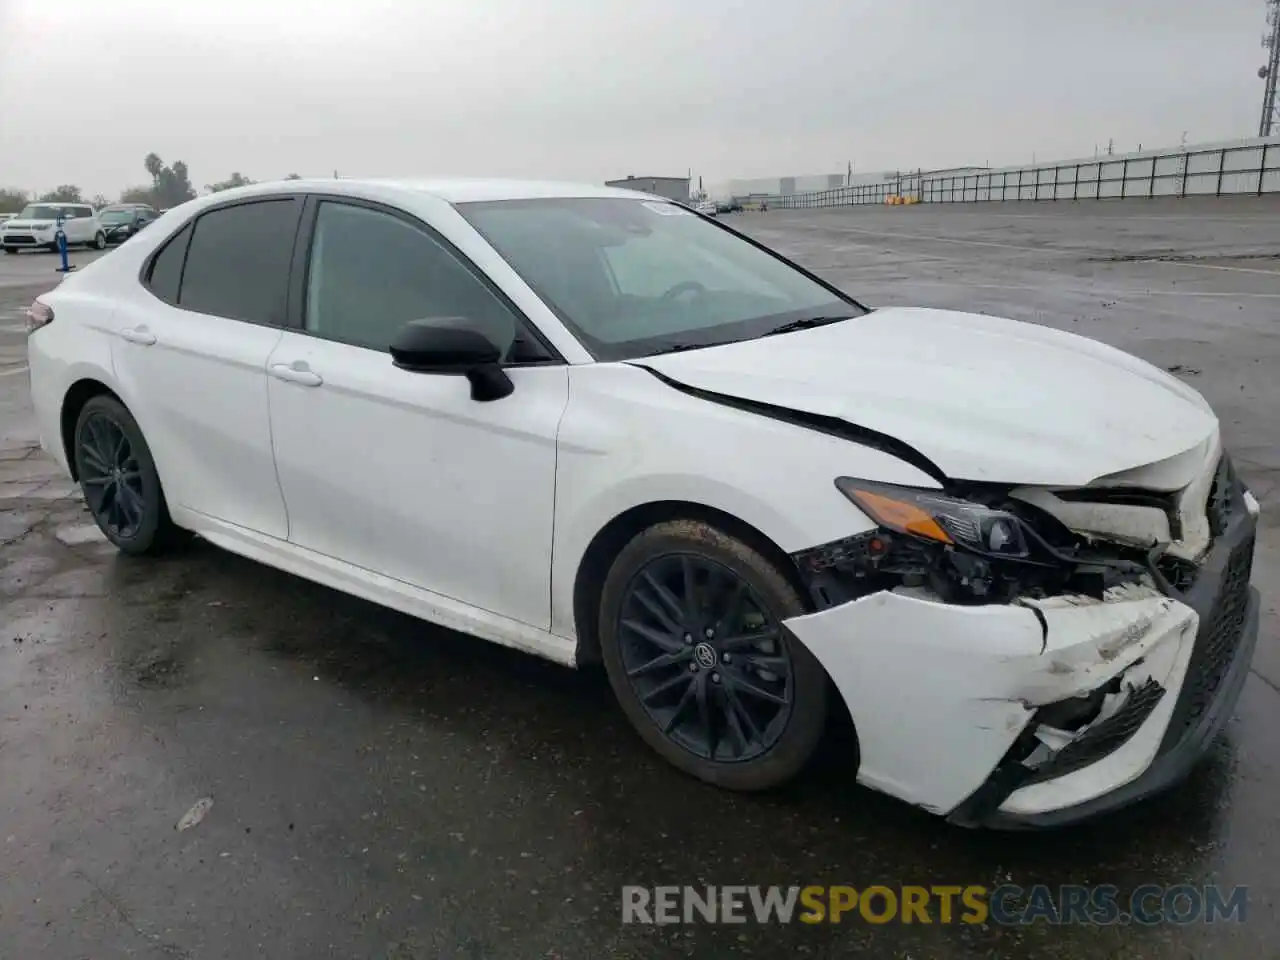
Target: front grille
<point>17,240</point>
<point>1216,643</point>
<point>1104,738</point>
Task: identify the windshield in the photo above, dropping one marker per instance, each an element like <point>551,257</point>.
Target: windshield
<point>117,216</point>
<point>39,211</point>
<point>636,277</point>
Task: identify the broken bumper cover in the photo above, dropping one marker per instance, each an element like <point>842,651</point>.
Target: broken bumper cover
<point>945,698</point>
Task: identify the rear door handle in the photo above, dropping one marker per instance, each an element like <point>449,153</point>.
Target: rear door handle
<point>139,335</point>
<point>297,372</point>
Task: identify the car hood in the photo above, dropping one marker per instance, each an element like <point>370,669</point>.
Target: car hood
<point>37,224</point>
<point>985,399</point>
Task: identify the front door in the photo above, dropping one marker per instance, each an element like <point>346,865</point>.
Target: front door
<point>403,473</point>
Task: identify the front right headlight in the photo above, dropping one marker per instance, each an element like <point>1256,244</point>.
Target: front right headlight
<point>931,515</point>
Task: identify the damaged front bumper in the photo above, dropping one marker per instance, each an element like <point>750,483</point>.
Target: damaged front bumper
<point>966,710</point>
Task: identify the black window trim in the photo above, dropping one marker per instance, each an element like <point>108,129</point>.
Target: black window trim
<point>144,275</point>
<point>299,274</point>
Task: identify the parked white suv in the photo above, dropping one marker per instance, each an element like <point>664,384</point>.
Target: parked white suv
<point>37,226</point>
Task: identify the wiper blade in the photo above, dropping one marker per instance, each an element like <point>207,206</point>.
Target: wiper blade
<point>804,323</point>
<point>680,348</point>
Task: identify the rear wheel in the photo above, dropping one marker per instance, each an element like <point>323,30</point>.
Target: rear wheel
<point>100,241</point>
<point>119,479</point>
<point>691,637</point>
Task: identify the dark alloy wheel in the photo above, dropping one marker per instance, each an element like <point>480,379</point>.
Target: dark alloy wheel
<point>111,476</point>
<point>119,479</point>
<point>692,638</point>
<point>705,657</point>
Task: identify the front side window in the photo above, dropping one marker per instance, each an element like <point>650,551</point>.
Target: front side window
<point>372,272</point>
<point>238,261</point>
<point>634,277</point>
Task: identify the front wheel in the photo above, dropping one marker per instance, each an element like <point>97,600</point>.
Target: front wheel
<point>692,640</point>
<point>119,479</point>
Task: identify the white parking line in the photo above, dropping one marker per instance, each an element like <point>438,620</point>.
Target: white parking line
<point>970,243</point>
<point>1094,291</point>
<point>1214,266</point>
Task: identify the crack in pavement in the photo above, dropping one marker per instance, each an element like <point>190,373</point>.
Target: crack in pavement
<point>122,913</point>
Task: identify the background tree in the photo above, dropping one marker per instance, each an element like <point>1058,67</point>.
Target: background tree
<point>170,185</point>
<point>99,201</point>
<point>66,193</point>
<point>138,195</point>
<point>236,179</point>
<point>12,201</point>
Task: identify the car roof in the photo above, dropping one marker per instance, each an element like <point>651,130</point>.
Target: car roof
<point>449,190</point>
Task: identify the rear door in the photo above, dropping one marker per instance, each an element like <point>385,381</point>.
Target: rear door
<point>191,357</point>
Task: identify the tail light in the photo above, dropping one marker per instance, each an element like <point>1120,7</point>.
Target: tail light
<point>38,315</point>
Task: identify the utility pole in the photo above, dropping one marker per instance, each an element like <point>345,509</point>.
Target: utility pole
<point>1269,70</point>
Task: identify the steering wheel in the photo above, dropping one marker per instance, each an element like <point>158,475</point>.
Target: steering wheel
<point>684,286</point>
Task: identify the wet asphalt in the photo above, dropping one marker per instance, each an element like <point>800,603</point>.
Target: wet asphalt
<point>382,788</point>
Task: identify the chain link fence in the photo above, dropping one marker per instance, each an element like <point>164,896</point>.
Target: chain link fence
<point>1247,168</point>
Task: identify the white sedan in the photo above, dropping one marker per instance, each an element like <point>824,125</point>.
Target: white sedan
<point>596,427</point>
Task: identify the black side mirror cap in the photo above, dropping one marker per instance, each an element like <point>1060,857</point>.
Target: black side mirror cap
<point>450,345</point>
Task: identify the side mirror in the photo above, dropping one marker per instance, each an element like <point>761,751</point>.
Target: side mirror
<point>448,345</point>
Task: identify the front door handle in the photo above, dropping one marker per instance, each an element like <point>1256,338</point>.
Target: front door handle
<point>297,372</point>
<point>139,335</point>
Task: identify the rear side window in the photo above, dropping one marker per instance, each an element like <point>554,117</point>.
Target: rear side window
<point>166,268</point>
<point>238,261</point>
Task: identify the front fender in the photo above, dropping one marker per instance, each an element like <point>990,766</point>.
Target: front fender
<point>627,440</point>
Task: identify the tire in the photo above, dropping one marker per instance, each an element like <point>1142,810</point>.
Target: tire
<point>665,704</point>
<point>106,438</point>
<point>100,241</point>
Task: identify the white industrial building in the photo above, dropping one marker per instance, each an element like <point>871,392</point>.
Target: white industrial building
<point>673,188</point>
<point>785,186</point>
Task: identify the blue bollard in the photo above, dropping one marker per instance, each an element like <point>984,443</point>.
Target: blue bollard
<point>62,249</point>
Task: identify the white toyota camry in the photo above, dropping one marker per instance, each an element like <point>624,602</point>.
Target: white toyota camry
<point>596,426</point>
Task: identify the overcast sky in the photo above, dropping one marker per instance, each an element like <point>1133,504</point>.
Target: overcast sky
<point>590,89</point>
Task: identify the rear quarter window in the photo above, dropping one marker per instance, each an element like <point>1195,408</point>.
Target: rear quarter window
<point>165,276</point>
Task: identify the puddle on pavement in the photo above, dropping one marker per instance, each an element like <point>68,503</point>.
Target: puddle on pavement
<point>79,533</point>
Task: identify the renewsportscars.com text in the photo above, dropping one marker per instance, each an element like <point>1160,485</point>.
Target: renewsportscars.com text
<point>1005,905</point>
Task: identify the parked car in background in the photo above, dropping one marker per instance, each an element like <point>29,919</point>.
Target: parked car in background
<point>592,425</point>
<point>37,226</point>
<point>122,220</point>
<point>706,207</point>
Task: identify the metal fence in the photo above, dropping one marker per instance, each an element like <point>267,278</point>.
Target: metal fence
<point>1215,171</point>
